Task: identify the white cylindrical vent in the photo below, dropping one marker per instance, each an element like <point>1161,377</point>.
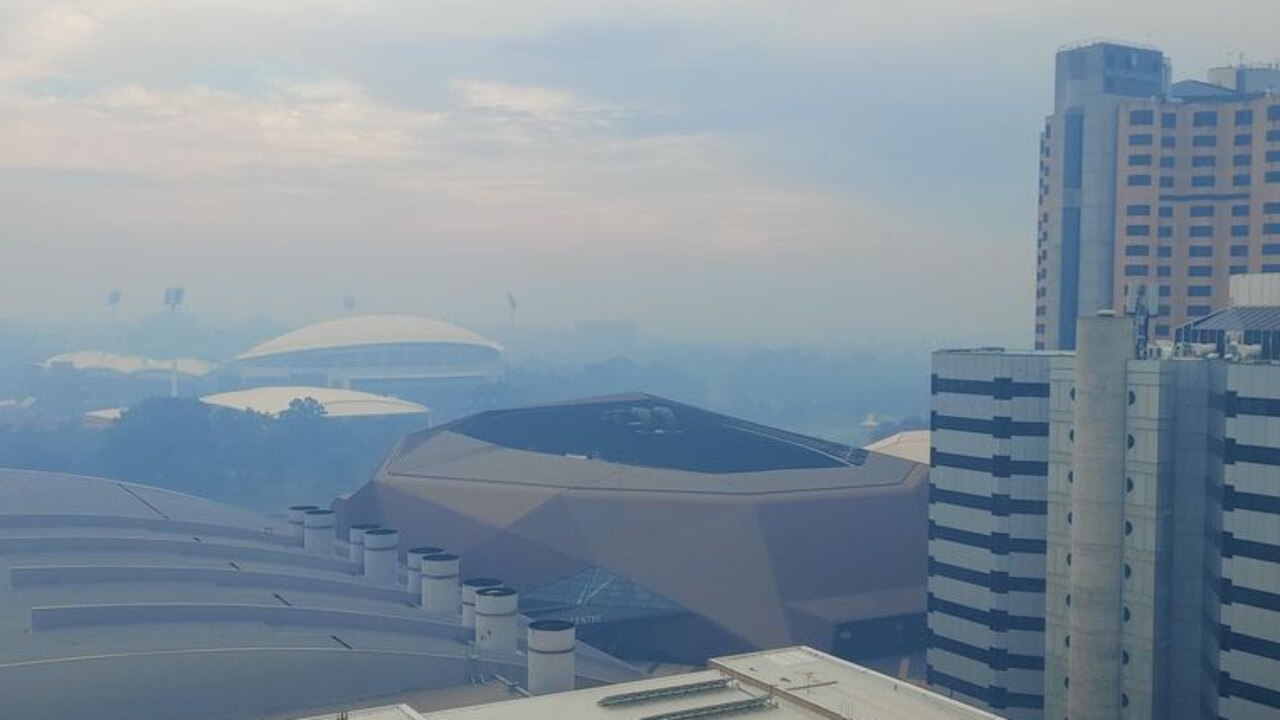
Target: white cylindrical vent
<point>317,532</point>
<point>413,568</point>
<point>295,520</point>
<point>496,624</point>
<point>381,566</point>
<point>355,541</point>
<point>551,653</point>
<point>469,588</point>
<point>437,582</point>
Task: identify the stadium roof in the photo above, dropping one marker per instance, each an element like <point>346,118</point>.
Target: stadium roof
<point>337,403</point>
<point>910,445</point>
<point>796,683</point>
<point>124,601</point>
<point>367,330</point>
<point>99,360</point>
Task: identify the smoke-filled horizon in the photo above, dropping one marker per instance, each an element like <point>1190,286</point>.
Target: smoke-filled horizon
<point>760,171</point>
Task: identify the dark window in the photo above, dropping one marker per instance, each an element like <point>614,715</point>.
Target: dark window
<point>1273,112</point>
<point>1139,180</point>
<point>1201,211</point>
<point>1270,268</point>
<point>1204,141</point>
<point>1237,270</point>
<point>1137,230</point>
<point>1162,330</point>
<point>1166,162</point>
<point>1202,181</point>
<point>1273,156</point>
<point>1271,228</point>
<point>1199,291</point>
<point>1196,311</point>
<point>1205,118</point>
<point>1140,139</point>
<point>1271,249</point>
<point>1164,251</point>
<point>1168,120</point>
<point>1273,136</point>
<point>1272,177</point>
<point>1243,180</point>
<point>1168,141</point>
<point>1243,140</point>
<point>1242,160</point>
<point>1239,231</point>
<point>1136,271</point>
<point>1244,117</point>
<point>1073,152</point>
<point>1141,117</point>
<point>1139,159</point>
<point>1271,208</point>
<point>1200,271</point>
<point>1239,251</point>
<point>1204,161</point>
<point>1201,231</point>
<point>1164,271</point>
<point>1166,211</point>
<point>1137,250</point>
<point>1166,182</point>
<point>1165,291</point>
<point>1200,251</point>
<point>1137,210</point>
<point>1239,211</point>
<point>1166,231</point>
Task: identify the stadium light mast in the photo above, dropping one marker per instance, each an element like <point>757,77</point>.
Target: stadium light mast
<point>113,301</point>
<point>172,300</point>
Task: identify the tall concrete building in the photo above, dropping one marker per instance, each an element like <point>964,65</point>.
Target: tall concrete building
<point>1143,182</point>
<point>1158,542</point>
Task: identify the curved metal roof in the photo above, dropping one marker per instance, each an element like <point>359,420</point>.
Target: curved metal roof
<point>337,403</point>
<point>100,360</point>
<point>367,330</point>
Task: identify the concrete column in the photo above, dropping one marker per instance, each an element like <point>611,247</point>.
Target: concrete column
<point>1094,618</point>
<point>496,622</point>
<point>551,656</point>
<point>469,588</point>
<point>381,566</point>
<point>355,541</point>
<point>295,520</point>
<point>317,532</point>
<point>440,591</point>
<point>413,568</point>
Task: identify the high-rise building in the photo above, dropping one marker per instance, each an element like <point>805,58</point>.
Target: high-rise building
<point>1143,182</point>
<point>1152,528</point>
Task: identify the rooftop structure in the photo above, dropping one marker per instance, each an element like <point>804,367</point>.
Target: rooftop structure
<point>648,523</point>
<point>123,601</point>
<point>107,362</point>
<point>795,683</point>
<point>367,331</point>
<point>910,445</point>
<point>337,403</point>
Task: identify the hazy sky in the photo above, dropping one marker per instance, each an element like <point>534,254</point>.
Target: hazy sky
<point>783,171</point>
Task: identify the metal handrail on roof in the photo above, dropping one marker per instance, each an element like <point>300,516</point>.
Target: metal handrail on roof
<point>662,693</point>
<point>729,708</point>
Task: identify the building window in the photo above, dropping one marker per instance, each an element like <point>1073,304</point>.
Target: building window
<point>1196,311</point>
<point>1271,249</point>
<point>1205,118</point>
<point>1137,230</point>
<point>1203,181</point>
<point>1271,228</point>
<point>1136,250</point>
<point>1239,251</point>
<point>1239,231</point>
<point>1273,112</point>
<point>1166,231</point>
<point>1270,268</point>
<point>1199,291</point>
<point>1168,141</point>
<point>1241,180</point>
<point>1237,270</point>
<point>1244,117</point>
<point>1271,208</point>
<point>1200,271</point>
<point>1168,120</point>
<point>1239,211</point>
<point>1273,156</point>
<point>1138,210</point>
<point>1164,251</point>
<point>1242,160</point>
<point>1201,231</point>
<point>1273,136</point>
<point>1272,177</point>
<point>1167,161</point>
<point>1201,211</point>
<point>1139,180</point>
<point>1141,117</point>
<point>1203,161</point>
<point>1200,251</point>
<point>1162,330</point>
<point>1140,139</point>
<point>1166,182</point>
<point>1165,291</point>
<point>1243,140</point>
<point>1164,271</point>
<point>1136,271</point>
<point>1139,159</point>
<point>1166,211</point>
<point>1204,141</point>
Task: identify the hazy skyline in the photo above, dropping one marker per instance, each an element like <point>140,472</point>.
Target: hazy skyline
<point>789,171</point>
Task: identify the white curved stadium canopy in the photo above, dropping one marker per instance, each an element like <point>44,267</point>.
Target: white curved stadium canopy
<point>337,403</point>
<point>99,360</point>
<point>367,330</point>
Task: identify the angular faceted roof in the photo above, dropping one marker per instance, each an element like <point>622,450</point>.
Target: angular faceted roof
<point>367,330</point>
<point>910,445</point>
<point>337,403</point>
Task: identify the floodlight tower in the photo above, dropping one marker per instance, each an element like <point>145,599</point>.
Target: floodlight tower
<point>173,299</point>
<point>113,301</point>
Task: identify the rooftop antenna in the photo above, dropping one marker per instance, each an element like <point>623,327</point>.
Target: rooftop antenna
<point>173,300</point>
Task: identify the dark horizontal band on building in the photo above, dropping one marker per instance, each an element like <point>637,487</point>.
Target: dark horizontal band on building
<point>997,620</point>
<point>993,696</point>
<point>1235,547</point>
<point>999,505</point>
<point>1002,428</point>
<point>996,581</point>
<point>997,388</point>
<point>996,465</point>
<point>997,543</point>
